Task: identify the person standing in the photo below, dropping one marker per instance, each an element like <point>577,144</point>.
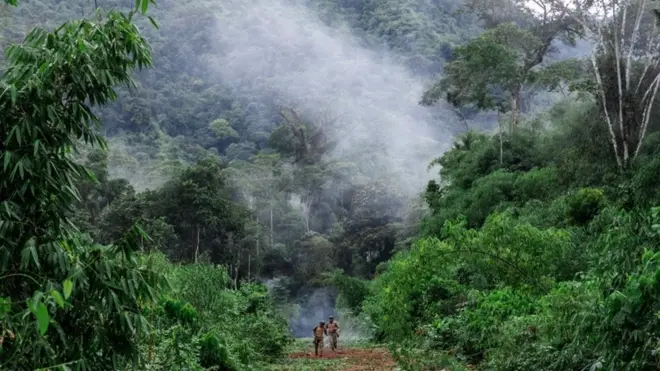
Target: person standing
<point>318,333</point>
<point>332,330</point>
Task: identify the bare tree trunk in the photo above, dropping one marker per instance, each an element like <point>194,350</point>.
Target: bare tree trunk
<point>618,45</point>
<point>258,244</point>
<point>234,274</point>
<point>647,114</point>
<point>307,207</point>
<point>515,109</point>
<point>307,222</point>
<point>608,119</point>
<point>638,20</point>
<point>197,245</point>
<point>459,112</point>
<point>499,122</point>
<point>625,141</point>
<point>271,226</point>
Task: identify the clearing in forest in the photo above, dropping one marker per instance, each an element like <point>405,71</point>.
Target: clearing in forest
<point>351,356</point>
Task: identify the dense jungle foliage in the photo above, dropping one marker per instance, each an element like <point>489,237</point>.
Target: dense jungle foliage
<point>153,218</point>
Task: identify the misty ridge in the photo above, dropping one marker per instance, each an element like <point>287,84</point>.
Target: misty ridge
<point>281,54</point>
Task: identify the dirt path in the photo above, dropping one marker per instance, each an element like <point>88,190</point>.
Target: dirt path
<point>353,359</point>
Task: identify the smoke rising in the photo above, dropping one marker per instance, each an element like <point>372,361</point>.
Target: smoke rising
<point>320,303</point>
<point>280,49</point>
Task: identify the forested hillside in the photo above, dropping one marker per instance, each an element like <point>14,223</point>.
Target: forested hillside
<point>304,133</point>
<point>189,185</point>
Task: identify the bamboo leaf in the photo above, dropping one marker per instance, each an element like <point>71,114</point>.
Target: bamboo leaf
<point>153,22</point>
<point>67,287</point>
<point>43,318</point>
<point>7,159</point>
<point>14,93</point>
<point>57,297</point>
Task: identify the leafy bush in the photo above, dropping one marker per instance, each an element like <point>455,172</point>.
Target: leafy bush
<point>537,268</point>
<point>585,204</point>
<point>203,322</point>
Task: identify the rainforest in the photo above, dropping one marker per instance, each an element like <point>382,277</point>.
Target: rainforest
<point>462,184</point>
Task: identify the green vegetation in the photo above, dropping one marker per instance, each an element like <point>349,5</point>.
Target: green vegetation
<point>67,302</point>
<point>152,217</point>
<point>541,248</point>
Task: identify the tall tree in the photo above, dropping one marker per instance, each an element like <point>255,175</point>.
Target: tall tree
<point>624,62</point>
<point>198,203</point>
<point>492,71</point>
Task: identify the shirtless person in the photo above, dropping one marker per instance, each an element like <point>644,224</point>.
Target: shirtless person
<point>332,329</point>
<point>318,333</point>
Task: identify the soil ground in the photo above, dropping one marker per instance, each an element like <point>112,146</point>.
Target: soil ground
<point>349,357</point>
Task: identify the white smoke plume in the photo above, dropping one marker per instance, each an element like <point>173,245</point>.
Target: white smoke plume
<point>280,49</point>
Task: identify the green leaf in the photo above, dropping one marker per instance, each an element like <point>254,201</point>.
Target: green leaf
<point>5,305</point>
<point>128,321</point>
<point>68,286</point>
<point>57,297</point>
<point>8,209</point>
<point>29,251</point>
<point>18,136</point>
<point>36,147</point>
<point>144,5</point>
<point>153,22</point>
<point>14,93</point>
<point>7,156</point>
<point>43,318</point>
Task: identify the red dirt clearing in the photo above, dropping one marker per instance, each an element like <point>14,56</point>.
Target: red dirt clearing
<point>356,359</point>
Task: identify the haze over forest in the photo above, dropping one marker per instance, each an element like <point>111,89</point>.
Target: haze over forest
<point>466,184</point>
